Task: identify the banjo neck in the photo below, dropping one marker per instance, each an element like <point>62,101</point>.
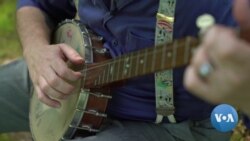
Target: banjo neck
<point>145,61</point>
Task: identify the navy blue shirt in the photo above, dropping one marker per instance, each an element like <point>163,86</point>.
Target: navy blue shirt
<point>129,25</point>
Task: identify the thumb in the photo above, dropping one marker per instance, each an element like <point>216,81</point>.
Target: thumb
<point>71,54</point>
<point>241,11</point>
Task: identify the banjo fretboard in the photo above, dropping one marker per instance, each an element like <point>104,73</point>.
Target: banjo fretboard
<point>145,61</point>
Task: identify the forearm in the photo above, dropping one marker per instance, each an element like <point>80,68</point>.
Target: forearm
<point>32,28</point>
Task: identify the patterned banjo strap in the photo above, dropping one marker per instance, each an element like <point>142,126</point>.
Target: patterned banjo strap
<point>164,80</point>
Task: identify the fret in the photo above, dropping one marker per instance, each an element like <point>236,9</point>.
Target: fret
<point>187,47</point>
<point>180,54</point>
<point>169,54</point>
<point>174,53</point>
<point>163,58</point>
<point>103,76</point>
<point>121,74</point>
<point>149,59</point>
<point>111,71</point>
<point>169,58</point>
<point>107,70</point>
<point>137,56</point>
<point>107,73</point>
<point>158,58</point>
<point>95,83</point>
<point>133,64</point>
<point>126,66</point>
<point>130,64</point>
<point>99,79</point>
<point>153,59</point>
<point>114,70</point>
<point>118,68</point>
<point>141,62</point>
<point>145,60</point>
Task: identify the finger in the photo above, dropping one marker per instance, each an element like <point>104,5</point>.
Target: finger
<point>225,48</point>
<point>219,44</point>
<point>46,100</point>
<point>192,77</point>
<point>62,70</point>
<point>210,37</point>
<point>208,41</point>
<point>199,58</point>
<point>241,11</point>
<point>195,85</point>
<point>58,83</point>
<point>71,54</point>
<point>207,58</point>
<point>47,90</point>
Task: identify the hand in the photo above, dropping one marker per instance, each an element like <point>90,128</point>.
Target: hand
<point>230,55</point>
<point>52,79</point>
<point>230,79</point>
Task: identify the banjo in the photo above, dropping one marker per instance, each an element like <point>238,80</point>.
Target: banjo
<point>83,113</point>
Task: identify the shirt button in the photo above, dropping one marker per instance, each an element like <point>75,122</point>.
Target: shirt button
<point>115,43</point>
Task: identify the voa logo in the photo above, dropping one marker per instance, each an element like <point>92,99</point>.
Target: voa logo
<point>224,118</point>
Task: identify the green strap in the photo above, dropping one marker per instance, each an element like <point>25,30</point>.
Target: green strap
<point>164,80</point>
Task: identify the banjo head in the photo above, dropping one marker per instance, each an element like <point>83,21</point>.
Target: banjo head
<point>55,124</point>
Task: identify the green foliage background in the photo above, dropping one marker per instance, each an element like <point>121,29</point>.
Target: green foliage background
<point>6,16</point>
<point>9,44</point>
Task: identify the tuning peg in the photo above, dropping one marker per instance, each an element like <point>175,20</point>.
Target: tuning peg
<point>203,22</point>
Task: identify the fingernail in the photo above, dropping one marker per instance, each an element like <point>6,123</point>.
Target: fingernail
<point>79,57</point>
<point>79,74</point>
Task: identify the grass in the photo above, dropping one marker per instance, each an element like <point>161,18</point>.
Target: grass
<point>4,137</point>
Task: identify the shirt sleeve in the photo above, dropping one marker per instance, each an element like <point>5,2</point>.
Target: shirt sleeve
<point>22,3</point>
<point>56,10</point>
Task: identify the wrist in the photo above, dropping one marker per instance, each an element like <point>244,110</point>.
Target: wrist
<point>32,48</point>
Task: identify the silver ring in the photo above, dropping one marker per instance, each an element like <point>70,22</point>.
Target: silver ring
<point>205,69</point>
